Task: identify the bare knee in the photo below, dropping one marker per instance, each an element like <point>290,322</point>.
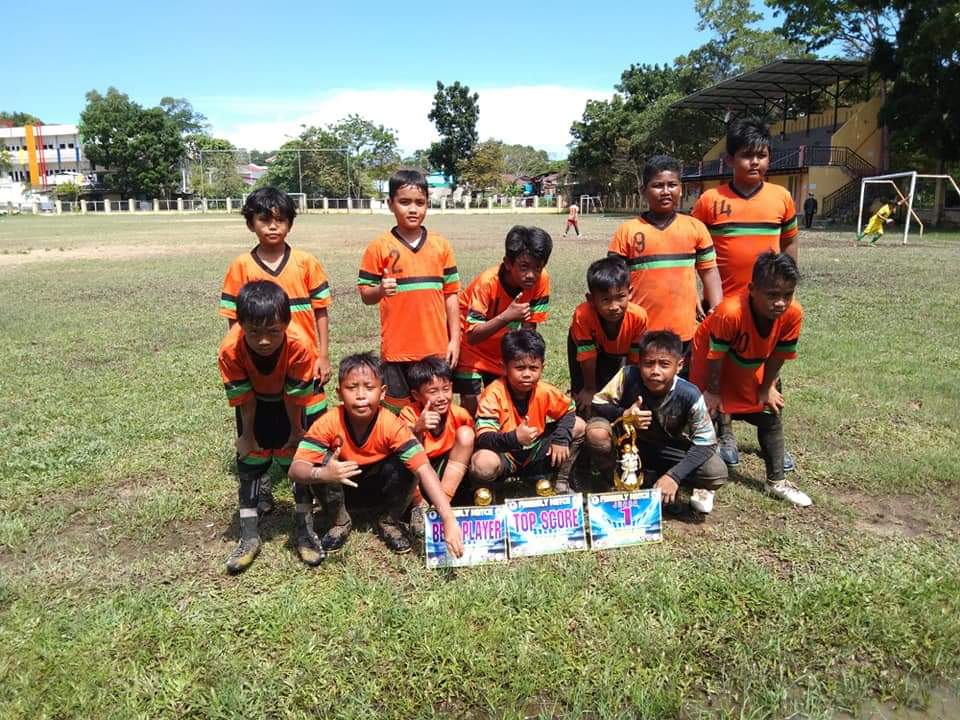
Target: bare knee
<point>485,466</point>
<point>465,437</point>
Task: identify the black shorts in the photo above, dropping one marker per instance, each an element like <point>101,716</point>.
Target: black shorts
<point>271,428</point>
<point>395,378</point>
<point>472,382</point>
<point>607,367</point>
<point>532,462</point>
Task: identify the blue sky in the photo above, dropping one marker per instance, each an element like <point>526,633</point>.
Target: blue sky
<point>259,70</point>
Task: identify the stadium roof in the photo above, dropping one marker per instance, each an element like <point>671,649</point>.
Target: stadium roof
<point>769,85</point>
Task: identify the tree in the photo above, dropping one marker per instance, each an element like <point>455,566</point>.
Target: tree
<point>140,149</point>
<point>455,113</point>
<point>485,167</point>
<point>17,119</point>
<point>372,150</point>
<point>524,160</point>
<point>857,26</point>
<point>420,160</point>
<point>260,156</point>
<point>182,113</point>
<point>217,160</point>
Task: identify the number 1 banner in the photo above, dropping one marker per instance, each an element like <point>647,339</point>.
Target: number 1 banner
<point>619,519</point>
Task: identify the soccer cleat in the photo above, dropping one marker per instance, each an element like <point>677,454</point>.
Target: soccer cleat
<point>243,555</point>
<point>393,536</point>
<point>789,492</point>
<point>728,450</point>
<point>309,547</point>
<point>789,463</point>
<point>701,500</point>
<point>336,537</point>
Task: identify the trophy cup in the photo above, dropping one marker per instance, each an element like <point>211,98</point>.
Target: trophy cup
<point>626,478</point>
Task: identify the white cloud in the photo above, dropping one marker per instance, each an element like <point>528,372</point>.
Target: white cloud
<point>538,115</point>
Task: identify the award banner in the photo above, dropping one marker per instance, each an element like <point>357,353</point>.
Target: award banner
<point>545,525</point>
<point>619,519</point>
<point>484,531</point>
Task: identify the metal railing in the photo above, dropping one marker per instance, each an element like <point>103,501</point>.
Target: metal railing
<point>795,158</point>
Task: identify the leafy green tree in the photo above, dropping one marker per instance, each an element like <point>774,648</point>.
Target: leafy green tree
<point>16,118</point>
<point>485,167</point>
<point>216,159</point>
<point>259,157</point>
<point>182,113</point>
<point>455,113</point>
<point>139,148</point>
<point>857,26</point>
<point>420,160</point>
<point>68,191</point>
<point>372,149</point>
<point>524,160</point>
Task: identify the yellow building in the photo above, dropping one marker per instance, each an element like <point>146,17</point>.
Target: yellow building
<point>826,139</point>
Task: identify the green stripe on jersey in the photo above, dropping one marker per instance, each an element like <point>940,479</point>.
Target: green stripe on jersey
<point>718,346</point>
<point>736,230</point>
<point>408,454</point>
<point>789,347</point>
<point>317,407</point>
<point>419,286</point>
<point>301,307</point>
<point>586,347</point>
<point>539,305</point>
<point>315,447</point>
<point>451,278</point>
<point>745,362</point>
<point>321,295</point>
<point>706,257</point>
<point>656,264</point>
<point>228,304</point>
<point>238,390</point>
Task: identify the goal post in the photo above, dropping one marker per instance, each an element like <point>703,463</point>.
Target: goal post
<point>590,203</point>
<point>911,178</point>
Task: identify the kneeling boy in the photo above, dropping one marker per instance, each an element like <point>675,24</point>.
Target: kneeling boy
<point>445,430</point>
<point>676,440</point>
<point>360,449</point>
<point>605,331</point>
<point>525,427</point>
<point>737,355</point>
<point>267,366</point>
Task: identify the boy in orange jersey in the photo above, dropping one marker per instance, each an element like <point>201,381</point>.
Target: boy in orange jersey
<point>361,450</point>
<point>445,430</point>
<point>737,355</point>
<point>269,214</point>
<point>605,331</point>
<point>747,217</point>
<point>267,366</point>
<point>665,252</point>
<point>412,274</point>
<point>525,427</point>
<point>513,294</point>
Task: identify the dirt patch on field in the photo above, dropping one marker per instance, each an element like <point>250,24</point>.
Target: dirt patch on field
<point>103,252</point>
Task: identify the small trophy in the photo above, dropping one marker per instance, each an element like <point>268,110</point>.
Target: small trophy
<point>482,496</point>
<point>626,478</point>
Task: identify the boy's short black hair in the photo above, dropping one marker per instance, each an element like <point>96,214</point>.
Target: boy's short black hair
<point>430,368</point>
<point>265,202</point>
<point>359,361</point>
<point>663,340</point>
<point>771,266</point>
<point>522,343</point>
<point>406,176</point>
<point>535,242</point>
<point>261,302</point>
<point>658,164</point>
<point>749,132</point>
<point>607,274</point>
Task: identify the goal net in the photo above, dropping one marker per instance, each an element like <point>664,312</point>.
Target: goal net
<point>904,192</point>
<point>590,204</point>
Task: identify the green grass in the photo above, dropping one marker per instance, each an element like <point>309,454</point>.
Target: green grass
<point>117,506</point>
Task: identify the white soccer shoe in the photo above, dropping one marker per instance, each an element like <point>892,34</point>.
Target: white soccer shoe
<point>701,500</point>
<point>789,492</point>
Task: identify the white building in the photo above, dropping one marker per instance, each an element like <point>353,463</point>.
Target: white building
<point>41,157</point>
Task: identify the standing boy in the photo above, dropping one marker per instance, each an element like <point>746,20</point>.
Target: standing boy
<point>411,273</point>
<point>605,331</point>
<point>525,427</point>
<point>737,355</point>
<point>267,365</point>
<point>572,212</point>
<point>747,217</point>
<point>361,450</point>
<point>675,440</point>
<point>665,252</point>
<point>511,295</point>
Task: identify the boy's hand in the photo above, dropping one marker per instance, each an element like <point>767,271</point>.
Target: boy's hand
<point>700,313</point>
<point>246,444</point>
<point>453,353</point>
<point>712,401</point>
<point>452,536</point>
<point>772,399</point>
<point>388,284</point>
<point>584,400</point>
<point>322,369</point>
<point>644,417</point>
<point>668,488</point>
<point>429,420</point>
<point>336,472</point>
<point>559,454</point>
<point>526,433</point>
<point>517,311</point>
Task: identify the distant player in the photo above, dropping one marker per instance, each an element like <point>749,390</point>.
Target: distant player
<point>411,273</point>
<point>874,229</point>
<point>747,217</point>
<point>810,207</point>
<point>572,213</point>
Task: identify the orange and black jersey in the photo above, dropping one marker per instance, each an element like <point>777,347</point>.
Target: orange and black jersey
<point>591,338</point>
<point>664,259</point>
<point>485,298</point>
<point>299,274</point>
<point>441,443</point>
<point>500,413</point>
<point>745,226</point>
<point>287,372</point>
<point>413,323</point>
<point>730,334</point>
<point>385,436</point>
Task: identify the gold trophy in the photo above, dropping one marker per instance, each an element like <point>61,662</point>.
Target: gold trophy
<point>627,477</point>
<point>544,488</point>
<point>482,496</point>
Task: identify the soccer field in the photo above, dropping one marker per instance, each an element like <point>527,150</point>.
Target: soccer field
<point>118,509</point>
